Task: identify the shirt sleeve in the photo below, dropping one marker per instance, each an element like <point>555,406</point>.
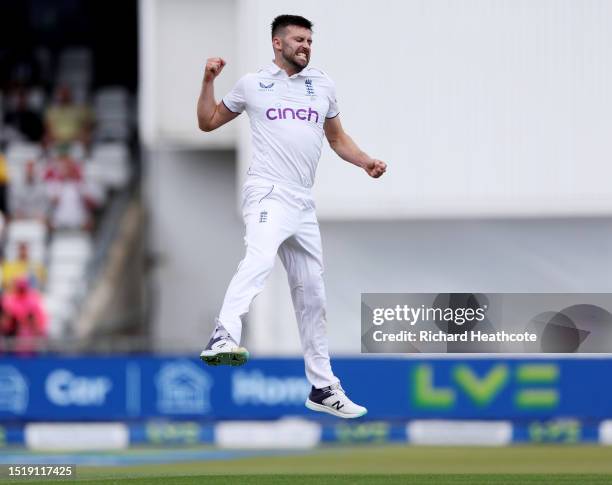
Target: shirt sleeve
<point>235,100</point>
<point>333,109</point>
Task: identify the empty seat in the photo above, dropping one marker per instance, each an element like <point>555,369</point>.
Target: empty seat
<point>111,161</point>
<point>70,247</point>
<point>66,291</point>
<point>27,230</point>
<point>66,272</point>
<point>79,57</point>
<point>37,99</point>
<point>112,131</point>
<point>60,312</point>
<point>116,96</point>
<point>111,152</point>
<point>19,152</point>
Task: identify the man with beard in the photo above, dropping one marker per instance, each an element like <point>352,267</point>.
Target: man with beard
<point>290,106</point>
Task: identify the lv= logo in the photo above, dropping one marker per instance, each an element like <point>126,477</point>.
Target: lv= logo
<point>533,386</point>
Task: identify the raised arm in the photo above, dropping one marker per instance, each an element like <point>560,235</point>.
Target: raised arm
<point>212,115</point>
<point>348,150</point>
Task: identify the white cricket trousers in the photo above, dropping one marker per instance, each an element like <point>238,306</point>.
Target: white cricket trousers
<point>282,220</point>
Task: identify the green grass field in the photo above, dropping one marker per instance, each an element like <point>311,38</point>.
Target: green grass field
<point>540,465</point>
<point>464,479</point>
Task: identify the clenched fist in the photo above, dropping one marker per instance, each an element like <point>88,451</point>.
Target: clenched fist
<point>375,168</point>
<point>214,66</point>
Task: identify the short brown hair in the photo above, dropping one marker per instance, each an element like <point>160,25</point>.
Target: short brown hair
<point>283,21</point>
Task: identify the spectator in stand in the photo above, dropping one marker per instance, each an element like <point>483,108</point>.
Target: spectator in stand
<point>23,316</point>
<point>4,183</point>
<point>23,119</point>
<point>28,200</point>
<point>72,203</point>
<point>66,122</point>
<point>22,267</point>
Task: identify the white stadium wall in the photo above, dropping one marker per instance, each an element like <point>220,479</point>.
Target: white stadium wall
<point>176,37</point>
<point>196,236</point>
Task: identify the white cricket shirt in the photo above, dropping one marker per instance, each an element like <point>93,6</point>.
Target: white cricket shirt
<point>286,116</point>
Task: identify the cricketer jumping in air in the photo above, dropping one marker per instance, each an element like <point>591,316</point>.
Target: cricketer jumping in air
<point>290,106</point>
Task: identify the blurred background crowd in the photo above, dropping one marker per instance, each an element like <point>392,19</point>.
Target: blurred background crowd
<point>67,153</point>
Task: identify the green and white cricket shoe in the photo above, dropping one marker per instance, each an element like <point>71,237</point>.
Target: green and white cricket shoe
<point>222,350</point>
<point>333,400</point>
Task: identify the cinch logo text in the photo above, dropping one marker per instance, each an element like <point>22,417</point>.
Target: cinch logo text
<point>289,113</point>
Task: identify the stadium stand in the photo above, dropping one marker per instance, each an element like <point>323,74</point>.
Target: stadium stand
<point>67,148</point>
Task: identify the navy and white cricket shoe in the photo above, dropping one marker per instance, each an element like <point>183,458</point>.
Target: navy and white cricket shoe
<point>333,400</point>
<point>222,350</point>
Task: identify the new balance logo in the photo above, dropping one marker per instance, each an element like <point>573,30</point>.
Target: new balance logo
<point>337,405</point>
<point>263,216</point>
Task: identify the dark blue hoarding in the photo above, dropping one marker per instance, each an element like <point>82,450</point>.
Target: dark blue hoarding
<point>125,388</point>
